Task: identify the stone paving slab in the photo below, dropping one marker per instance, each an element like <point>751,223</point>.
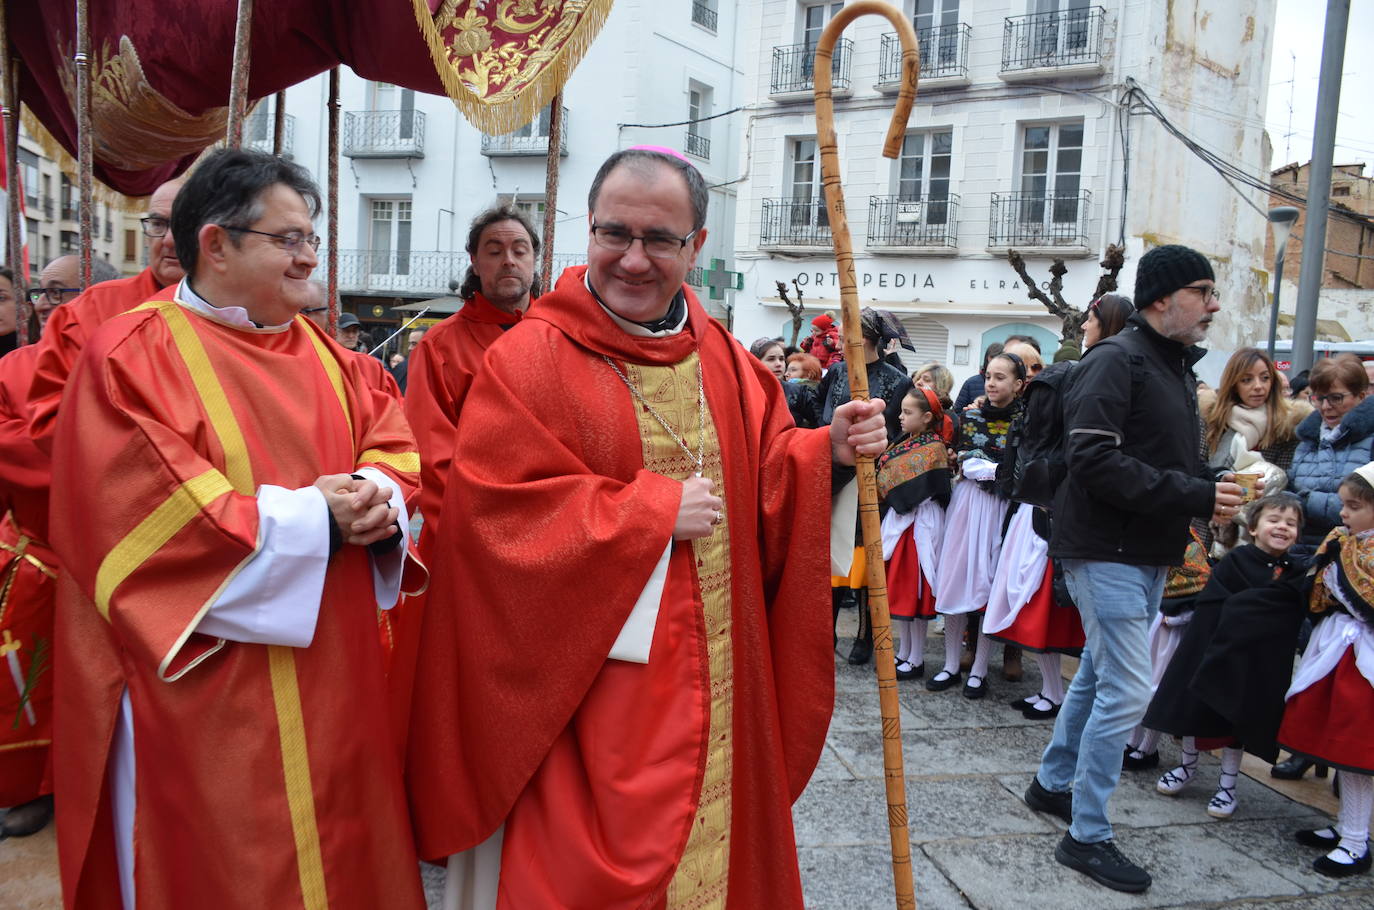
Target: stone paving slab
<point>994,750</point>
<point>1189,868</point>
<point>860,878</point>
<point>1269,842</point>
<point>1361,900</point>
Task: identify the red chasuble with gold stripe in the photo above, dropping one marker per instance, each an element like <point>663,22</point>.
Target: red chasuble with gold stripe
<point>264,774</point>
<point>624,785</point>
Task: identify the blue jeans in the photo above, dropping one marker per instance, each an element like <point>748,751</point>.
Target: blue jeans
<point>1110,692</point>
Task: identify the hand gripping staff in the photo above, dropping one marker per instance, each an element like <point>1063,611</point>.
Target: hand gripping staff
<point>858,387</point>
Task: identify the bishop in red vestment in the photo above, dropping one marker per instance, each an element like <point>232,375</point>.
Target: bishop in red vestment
<point>625,678</point>
<point>229,507</point>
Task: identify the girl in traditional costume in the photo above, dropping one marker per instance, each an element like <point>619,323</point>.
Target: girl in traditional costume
<point>1274,522</point>
<point>914,483</point>
<point>1329,717</point>
<point>975,519</point>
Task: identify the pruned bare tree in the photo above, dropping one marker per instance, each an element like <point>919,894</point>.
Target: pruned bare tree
<point>797,309</point>
<point>1070,317</point>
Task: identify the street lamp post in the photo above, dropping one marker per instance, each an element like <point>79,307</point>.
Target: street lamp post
<point>1282,219</point>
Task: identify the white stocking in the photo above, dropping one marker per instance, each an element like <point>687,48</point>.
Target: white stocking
<point>903,630</point>
<point>919,628</point>
<point>1149,740</point>
<point>981,657</point>
<point>1051,680</point>
<point>955,624</point>
<point>1352,823</point>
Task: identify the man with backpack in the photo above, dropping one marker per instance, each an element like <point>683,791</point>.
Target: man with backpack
<point>1135,477</point>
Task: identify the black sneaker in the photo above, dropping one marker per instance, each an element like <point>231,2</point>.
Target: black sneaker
<point>1060,805</point>
<point>1103,863</point>
<point>1135,761</point>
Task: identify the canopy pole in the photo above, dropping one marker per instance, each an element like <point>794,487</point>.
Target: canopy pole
<point>331,256</point>
<point>85,145</point>
<point>9,121</point>
<point>551,188</point>
<point>279,124</point>
<point>238,81</point>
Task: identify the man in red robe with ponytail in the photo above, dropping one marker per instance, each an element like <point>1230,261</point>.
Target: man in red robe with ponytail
<point>625,678</point>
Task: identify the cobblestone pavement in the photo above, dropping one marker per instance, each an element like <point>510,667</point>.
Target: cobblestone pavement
<point>974,843</point>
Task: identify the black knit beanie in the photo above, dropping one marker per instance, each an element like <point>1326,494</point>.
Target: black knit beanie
<point>1167,268</point>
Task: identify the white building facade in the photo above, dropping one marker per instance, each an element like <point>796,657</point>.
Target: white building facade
<point>414,172</point>
<point>1020,139</point>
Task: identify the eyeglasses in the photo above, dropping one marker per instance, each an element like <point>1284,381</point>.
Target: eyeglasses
<point>1335,400</point>
<point>1207,292</point>
<point>56,296</point>
<point>290,242</point>
<point>659,246</point>
<point>154,225</point>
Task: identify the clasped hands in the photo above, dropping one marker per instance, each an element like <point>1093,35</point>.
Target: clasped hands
<point>360,508</point>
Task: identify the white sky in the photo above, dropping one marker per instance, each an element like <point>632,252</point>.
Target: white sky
<point>1298,29</point>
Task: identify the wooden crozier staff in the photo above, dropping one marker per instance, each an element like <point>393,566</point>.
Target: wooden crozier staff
<point>858,387</point>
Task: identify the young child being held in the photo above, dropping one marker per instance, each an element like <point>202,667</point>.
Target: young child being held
<point>977,510</point>
<point>914,484</point>
<point>1274,522</point>
<point>1329,716</point>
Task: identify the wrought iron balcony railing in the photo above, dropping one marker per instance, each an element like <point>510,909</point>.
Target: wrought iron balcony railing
<point>906,221</point>
<point>109,231</point>
<point>1039,219</point>
<point>794,67</point>
<point>795,222</point>
<point>531,139</point>
<point>259,127</point>
<point>70,211</point>
<point>413,273</point>
<point>1051,40</point>
<point>49,205</point>
<point>944,53</point>
<point>384,134</point>
<point>698,146</point>
<point>704,15</point>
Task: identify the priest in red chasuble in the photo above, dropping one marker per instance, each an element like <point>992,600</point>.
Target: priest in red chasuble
<point>626,671</point>
<point>229,509</point>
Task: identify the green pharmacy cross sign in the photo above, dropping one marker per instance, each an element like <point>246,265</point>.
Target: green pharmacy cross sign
<point>720,280</point>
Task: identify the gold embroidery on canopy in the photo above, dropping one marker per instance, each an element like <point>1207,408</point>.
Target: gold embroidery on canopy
<point>702,879</point>
<point>136,127</point>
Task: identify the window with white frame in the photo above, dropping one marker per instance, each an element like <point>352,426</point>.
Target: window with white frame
<point>28,170</point>
<point>923,173</point>
<point>1061,27</point>
<point>388,98</point>
<point>806,206</point>
<point>813,19</point>
<point>698,128</point>
<point>532,207</point>
<point>937,30</point>
<point>389,236</point>
<point>1051,173</point>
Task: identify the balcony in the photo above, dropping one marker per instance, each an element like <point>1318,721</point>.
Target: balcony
<point>413,273</point>
<point>259,127</point>
<point>944,58</point>
<point>795,223</point>
<point>384,134</point>
<point>1043,45</point>
<point>903,223</point>
<point>705,16</point>
<point>794,71</point>
<point>49,205</point>
<point>530,140</point>
<point>1054,221</point>
<point>71,211</point>
<point>698,146</point>
<point>109,231</point>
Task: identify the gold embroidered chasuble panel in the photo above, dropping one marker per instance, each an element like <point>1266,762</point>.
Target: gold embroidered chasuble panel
<point>702,878</point>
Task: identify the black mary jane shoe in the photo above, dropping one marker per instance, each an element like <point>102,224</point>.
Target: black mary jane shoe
<point>973,692</point>
<point>1031,712</point>
<point>1331,868</point>
<point>1318,837</point>
<point>943,680</point>
<point>1131,762</point>
<point>912,671</point>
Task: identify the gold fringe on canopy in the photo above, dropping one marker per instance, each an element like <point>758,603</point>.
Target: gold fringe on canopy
<point>503,63</point>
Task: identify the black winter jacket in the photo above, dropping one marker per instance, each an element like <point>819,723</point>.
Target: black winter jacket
<point>1134,452</point>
